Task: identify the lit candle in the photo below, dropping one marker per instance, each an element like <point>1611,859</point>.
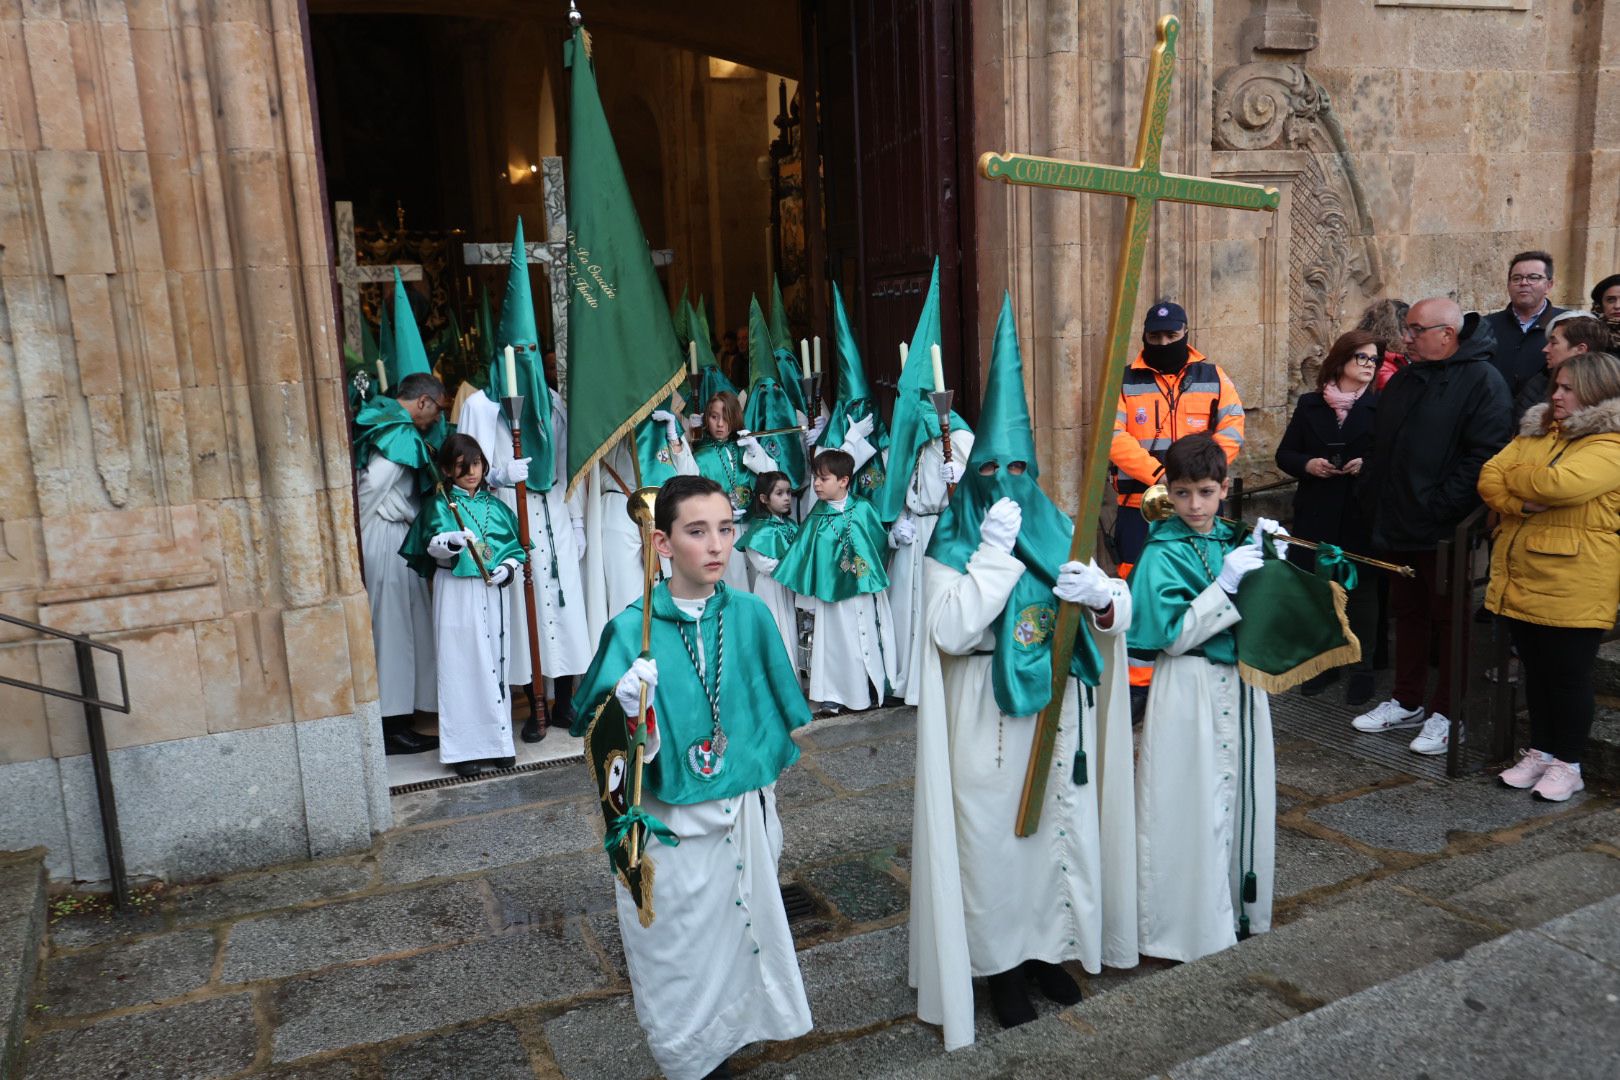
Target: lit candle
<point>939,369</point>
<point>691,355</point>
<point>816,367</point>
<point>382,378</point>
<point>804,357</point>
<point>511,372</point>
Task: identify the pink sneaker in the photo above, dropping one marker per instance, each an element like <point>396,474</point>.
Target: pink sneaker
<point>1527,771</point>
<point>1559,782</point>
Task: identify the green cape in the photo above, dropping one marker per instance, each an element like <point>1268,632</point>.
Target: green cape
<point>384,427</point>
<point>723,463</point>
<point>1169,576</point>
<point>484,515</point>
<point>769,535</point>
<point>769,406</point>
<point>517,329</point>
<point>1021,670</point>
<point>837,556</point>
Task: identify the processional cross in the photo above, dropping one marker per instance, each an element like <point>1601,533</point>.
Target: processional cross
<point>1143,185</point>
<point>351,275</point>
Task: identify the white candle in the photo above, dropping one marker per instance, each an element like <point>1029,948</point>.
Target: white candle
<point>511,372</point>
<point>905,354</point>
<point>804,357</point>
<point>691,355</point>
<point>939,369</point>
<point>382,378</point>
<point>816,367</point>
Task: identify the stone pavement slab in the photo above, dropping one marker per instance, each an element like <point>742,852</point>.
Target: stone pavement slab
<point>800,786</point>
<point>857,768</point>
<point>858,981</point>
<point>1448,876</point>
<point>195,1041</point>
<point>865,1057</point>
<point>1318,771</point>
<point>1593,931</point>
<point>858,890</point>
<point>120,975</point>
<point>22,929</point>
<point>276,888</point>
<point>554,888</point>
<point>580,1040</point>
<point>1518,1006</point>
<point>466,800</point>
<point>858,728</point>
<point>1307,862</point>
<point>487,1052</point>
<point>870,821</point>
<point>483,843</point>
<point>290,943</point>
<point>1419,817</point>
<point>333,1069</point>
<point>1533,894</point>
<point>354,1006</point>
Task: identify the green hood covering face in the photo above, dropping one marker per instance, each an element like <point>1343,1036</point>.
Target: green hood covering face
<point>853,402</point>
<point>682,318</point>
<point>914,422</point>
<point>711,380</point>
<point>517,329</point>
<point>769,406</point>
<point>1021,668</point>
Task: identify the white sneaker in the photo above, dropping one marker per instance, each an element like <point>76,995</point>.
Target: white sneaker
<point>1387,715</point>
<point>1434,737</point>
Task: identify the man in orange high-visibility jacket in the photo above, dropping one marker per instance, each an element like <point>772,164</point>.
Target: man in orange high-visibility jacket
<point>1170,390</point>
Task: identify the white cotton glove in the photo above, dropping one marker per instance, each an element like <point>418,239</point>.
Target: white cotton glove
<point>672,426</point>
<point>1239,562</point>
<point>862,427</point>
<point>904,533</point>
<point>1268,527</point>
<point>951,471</point>
<point>579,537</point>
<point>628,692</point>
<point>501,576</point>
<point>746,442</point>
<point>517,471</point>
<point>448,545</point>
<point>1084,583</point>
<point>739,513</point>
<point>1001,524</point>
<point>816,429</point>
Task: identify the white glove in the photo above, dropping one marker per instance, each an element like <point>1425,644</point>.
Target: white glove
<point>501,576</point>
<point>1239,562</point>
<point>746,441</point>
<point>862,427</point>
<point>1266,526</point>
<point>739,513</point>
<point>951,471</point>
<point>1001,524</point>
<point>672,426</point>
<point>448,545</point>
<point>517,471</point>
<point>816,429</point>
<point>628,692</point>
<point>579,537</point>
<point>1084,583</point>
<point>904,533</point>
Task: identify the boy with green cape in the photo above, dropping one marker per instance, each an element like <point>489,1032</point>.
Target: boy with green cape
<point>985,902</point>
<point>712,963</point>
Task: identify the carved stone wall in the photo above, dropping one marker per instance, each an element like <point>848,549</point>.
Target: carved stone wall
<point>177,477</point>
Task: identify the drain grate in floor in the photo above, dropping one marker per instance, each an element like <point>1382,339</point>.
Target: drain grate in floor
<point>457,781</point>
<point>798,902</point>
<point>1325,720</point>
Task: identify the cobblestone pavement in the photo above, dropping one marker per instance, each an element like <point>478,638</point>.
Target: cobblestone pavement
<point>477,938</point>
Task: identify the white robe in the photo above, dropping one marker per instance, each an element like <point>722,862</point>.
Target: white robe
<point>475,714</point>
<point>716,970</point>
<point>559,603</point>
<point>1189,792</point>
<point>401,607</point>
<point>983,900</point>
<point>778,599</point>
<point>926,498</point>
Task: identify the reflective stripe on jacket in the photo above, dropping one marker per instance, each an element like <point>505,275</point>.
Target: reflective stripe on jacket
<point>1155,410</point>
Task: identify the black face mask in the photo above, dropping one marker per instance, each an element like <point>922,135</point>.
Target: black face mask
<point>1166,359</point>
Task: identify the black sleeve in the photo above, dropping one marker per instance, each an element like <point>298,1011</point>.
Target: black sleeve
<point>1487,427</point>
<point>1291,451</point>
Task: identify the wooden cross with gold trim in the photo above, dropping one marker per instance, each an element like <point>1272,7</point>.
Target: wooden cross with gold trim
<point>1143,185</point>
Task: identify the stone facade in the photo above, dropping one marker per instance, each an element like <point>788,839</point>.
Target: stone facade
<point>177,479</point>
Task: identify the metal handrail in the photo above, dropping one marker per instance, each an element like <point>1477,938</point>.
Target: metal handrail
<point>1455,581</point>
<point>89,698</point>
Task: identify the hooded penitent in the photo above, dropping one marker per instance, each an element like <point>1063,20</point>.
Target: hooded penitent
<point>1021,669</point>
<point>769,407</point>
<point>517,329</point>
<point>787,364</point>
<point>853,402</point>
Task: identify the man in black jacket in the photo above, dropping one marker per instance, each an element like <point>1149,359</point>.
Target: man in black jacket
<point>1521,327</point>
<point>1439,420</point>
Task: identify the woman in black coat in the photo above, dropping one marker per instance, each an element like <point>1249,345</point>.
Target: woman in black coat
<point>1327,444</point>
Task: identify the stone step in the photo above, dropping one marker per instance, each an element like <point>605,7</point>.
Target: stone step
<point>1606,672</point>
<point>22,930</point>
<point>1602,761</point>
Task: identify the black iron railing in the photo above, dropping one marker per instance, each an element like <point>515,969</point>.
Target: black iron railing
<point>1482,708</point>
<point>89,697</point>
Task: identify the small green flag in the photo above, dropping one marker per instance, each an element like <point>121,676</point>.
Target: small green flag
<point>621,344</point>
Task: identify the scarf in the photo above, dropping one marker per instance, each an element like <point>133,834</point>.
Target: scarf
<point>1340,401</point>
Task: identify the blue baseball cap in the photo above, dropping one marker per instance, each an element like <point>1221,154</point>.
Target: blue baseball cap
<point>1164,316</point>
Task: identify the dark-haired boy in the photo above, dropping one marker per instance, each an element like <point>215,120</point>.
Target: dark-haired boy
<point>836,561</point>
<point>1205,775</point>
<point>715,968</point>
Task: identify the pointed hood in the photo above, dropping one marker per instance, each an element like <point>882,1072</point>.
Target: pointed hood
<point>769,406</point>
<point>517,329</point>
<point>711,379</point>
<point>410,357</point>
<point>761,350</point>
<point>853,395</point>
<point>702,313</point>
<point>370,353</point>
<point>1005,433</point>
<point>385,338</point>
<point>781,336</point>
<point>683,320</point>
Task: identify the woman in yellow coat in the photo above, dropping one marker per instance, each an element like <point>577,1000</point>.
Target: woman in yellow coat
<point>1555,569</point>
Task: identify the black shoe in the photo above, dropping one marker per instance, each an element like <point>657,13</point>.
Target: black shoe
<point>1318,683</point>
<point>1009,997</point>
<point>1055,984</point>
<point>468,768</point>
<point>533,731</point>
<point>721,1071</point>
<point>406,741</point>
<point>502,762</point>
<point>1358,690</point>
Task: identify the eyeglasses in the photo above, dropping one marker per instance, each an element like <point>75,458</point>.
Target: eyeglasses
<point>1526,279</point>
<point>1410,331</point>
<point>1363,358</point>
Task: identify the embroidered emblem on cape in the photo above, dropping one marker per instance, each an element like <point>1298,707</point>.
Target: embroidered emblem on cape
<point>664,456</point>
<point>854,564</point>
<point>1141,414</point>
<point>740,496</point>
<point>869,480</point>
<point>614,772</point>
<point>1197,423</point>
<point>704,759</point>
<point>1034,625</point>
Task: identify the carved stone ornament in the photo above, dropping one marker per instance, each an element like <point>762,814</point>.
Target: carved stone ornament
<point>1279,107</point>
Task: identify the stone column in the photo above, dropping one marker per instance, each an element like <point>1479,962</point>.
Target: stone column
<point>178,480</point>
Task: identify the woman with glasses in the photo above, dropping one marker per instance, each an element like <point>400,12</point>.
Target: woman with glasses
<point>1327,444</point>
